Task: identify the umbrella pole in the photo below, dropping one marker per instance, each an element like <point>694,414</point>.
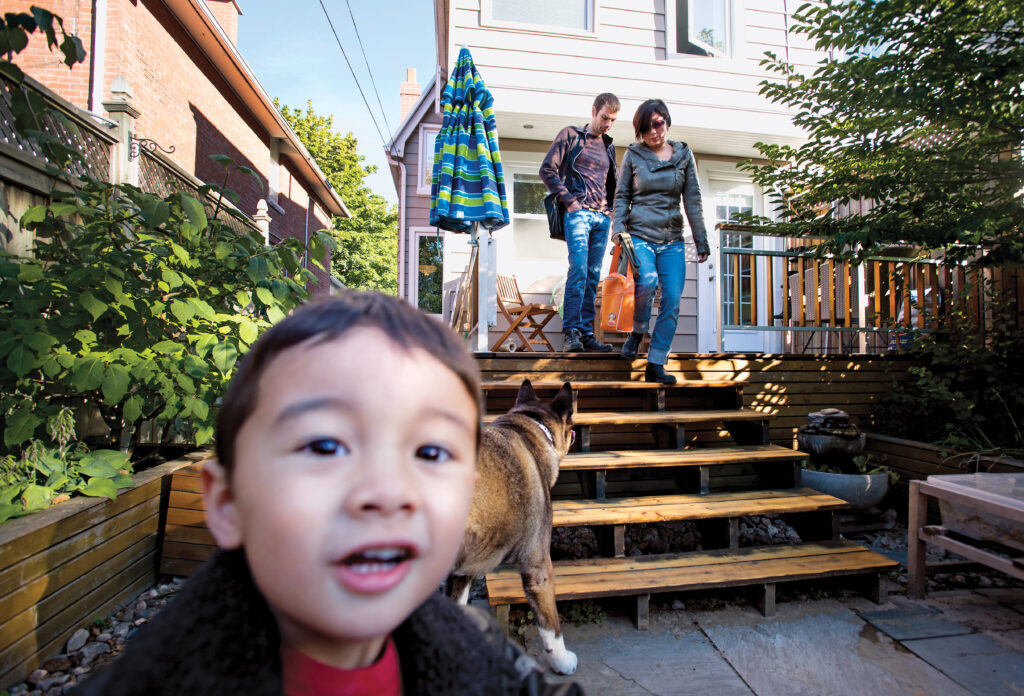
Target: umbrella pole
<point>483,285</point>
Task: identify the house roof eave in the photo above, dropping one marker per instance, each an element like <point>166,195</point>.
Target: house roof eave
<point>204,29</point>
<point>396,146</point>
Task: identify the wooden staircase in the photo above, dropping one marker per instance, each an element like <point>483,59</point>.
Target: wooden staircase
<point>688,452</point>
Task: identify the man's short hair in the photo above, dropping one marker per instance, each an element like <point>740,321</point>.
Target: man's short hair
<point>330,319</point>
<point>606,99</point>
<point>645,114</point>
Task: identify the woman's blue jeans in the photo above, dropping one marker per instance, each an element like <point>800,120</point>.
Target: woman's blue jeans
<point>664,264</point>
<point>586,235</point>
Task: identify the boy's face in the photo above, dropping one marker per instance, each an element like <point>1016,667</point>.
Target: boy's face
<point>352,483</point>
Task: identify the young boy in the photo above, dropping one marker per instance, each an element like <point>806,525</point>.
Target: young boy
<point>346,459</point>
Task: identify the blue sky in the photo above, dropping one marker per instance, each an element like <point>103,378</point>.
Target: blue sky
<point>293,53</point>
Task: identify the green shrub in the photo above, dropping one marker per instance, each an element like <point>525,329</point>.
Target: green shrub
<point>46,475</point>
<point>137,305</point>
<point>967,389</point>
<point>132,305</point>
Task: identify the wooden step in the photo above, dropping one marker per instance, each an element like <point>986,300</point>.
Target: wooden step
<point>643,575</point>
<point>589,418</point>
<point>702,456</point>
<point>496,385</point>
<point>666,508</point>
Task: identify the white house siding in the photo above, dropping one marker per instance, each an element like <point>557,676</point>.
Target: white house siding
<point>541,76</point>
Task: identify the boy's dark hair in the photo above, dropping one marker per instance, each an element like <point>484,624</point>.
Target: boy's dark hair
<point>645,114</point>
<point>606,99</point>
<point>329,319</point>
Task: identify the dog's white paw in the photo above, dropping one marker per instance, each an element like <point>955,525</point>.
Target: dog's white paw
<point>564,664</point>
<point>561,660</point>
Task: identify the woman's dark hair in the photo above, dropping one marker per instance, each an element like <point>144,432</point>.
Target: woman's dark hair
<point>327,320</point>
<point>645,114</point>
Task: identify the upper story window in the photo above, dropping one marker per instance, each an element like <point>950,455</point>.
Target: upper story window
<point>563,16</point>
<point>702,27</point>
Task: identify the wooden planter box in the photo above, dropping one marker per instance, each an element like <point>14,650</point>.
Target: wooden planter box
<point>62,567</point>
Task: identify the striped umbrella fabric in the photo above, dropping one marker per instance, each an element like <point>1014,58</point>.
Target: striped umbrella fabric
<point>468,182</point>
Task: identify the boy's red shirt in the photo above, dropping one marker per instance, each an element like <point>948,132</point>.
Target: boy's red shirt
<point>304,676</point>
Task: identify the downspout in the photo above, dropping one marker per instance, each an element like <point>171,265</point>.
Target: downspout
<point>98,67</point>
<point>401,220</point>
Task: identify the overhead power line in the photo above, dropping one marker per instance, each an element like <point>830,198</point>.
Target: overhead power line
<point>373,82</point>
<point>373,118</point>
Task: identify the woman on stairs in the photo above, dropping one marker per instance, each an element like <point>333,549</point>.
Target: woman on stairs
<point>656,173</point>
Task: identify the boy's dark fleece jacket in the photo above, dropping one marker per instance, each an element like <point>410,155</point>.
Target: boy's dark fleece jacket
<point>219,637</point>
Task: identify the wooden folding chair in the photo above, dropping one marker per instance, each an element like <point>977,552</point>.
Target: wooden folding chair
<point>522,316</point>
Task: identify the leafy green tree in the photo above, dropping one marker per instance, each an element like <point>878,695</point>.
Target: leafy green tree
<point>367,243</point>
<point>920,110</point>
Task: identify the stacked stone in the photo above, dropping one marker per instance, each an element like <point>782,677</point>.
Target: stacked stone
<point>88,649</point>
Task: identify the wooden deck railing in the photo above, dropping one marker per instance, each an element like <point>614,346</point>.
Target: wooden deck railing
<point>839,306</point>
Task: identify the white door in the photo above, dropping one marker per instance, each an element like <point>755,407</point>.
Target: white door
<point>726,294</point>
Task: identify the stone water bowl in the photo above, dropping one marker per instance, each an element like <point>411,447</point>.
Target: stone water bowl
<point>862,491</point>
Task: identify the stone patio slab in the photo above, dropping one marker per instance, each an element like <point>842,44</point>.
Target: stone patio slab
<point>989,667</point>
<point>912,620</point>
<point>813,648</point>
<point>673,657</point>
<point>980,612</point>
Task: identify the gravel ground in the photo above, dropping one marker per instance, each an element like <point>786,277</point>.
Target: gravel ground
<point>92,647</point>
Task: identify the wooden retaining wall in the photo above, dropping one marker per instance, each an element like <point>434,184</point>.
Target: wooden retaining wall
<point>786,386</point>
<point>187,542</point>
<point>63,567</point>
<point>914,460</point>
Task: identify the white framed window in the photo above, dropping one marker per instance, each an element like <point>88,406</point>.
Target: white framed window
<point>426,270</point>
<point>560,17</point>
<point>709,28</point>
<point>425,168</point>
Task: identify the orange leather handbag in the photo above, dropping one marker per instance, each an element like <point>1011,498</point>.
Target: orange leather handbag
<point>617,289</point>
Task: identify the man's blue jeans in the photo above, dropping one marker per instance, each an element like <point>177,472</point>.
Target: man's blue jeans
<point>665,264</point>
<point>586,235</point>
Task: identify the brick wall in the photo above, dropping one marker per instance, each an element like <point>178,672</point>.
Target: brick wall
<point>183,100</point>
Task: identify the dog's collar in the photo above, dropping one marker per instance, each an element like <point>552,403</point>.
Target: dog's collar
<point>547,431</point>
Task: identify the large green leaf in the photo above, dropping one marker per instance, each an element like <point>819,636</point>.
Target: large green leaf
<point>115,383</point>
<point>224,356</point>
<point>21,360</point>
<point>193,366</point>
<point>30,273</point>
<point>204,344</point>
<point>194,210</point>
<point>21,424</point>
<point>171,277</point>
<point>168,347</point>
<point>100,488</point>
<point>203,309</point>
<point>248,331</point>
<point>265,296</point>
<point>133,408</point>
<point>94,306</point>
<point>258,269</point>
<point>183,311</point>
<point>155,213</point>
<point>103,462</point>
<point>36,498</point>
<point>88,374</point>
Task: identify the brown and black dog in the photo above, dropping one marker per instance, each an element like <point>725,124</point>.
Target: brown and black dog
<point>510,519</point>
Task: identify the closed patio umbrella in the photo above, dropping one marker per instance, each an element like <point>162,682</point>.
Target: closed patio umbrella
<point>468,182</point>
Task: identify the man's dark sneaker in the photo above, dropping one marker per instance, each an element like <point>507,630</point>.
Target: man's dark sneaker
<point>632,345</point>
<point>591,344</point>
<point>656,373</point>
<point>571,341</point>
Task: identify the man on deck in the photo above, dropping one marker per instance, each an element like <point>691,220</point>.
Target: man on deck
<point>580,170</point>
